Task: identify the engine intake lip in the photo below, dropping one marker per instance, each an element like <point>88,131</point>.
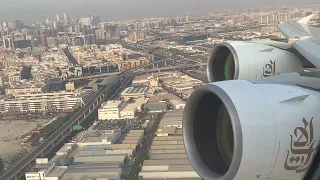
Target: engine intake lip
<point>212,62</point>
<point>189,137</point>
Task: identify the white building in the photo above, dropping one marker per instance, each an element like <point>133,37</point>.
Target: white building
<point>46,171</point>
<point>177,104</point>
<point>137,92</point>
<point>110,110</point>
<point>41,102</point>
<point>129,111</point>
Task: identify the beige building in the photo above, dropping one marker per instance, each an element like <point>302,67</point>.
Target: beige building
<point>17,91</point>
<point>131,63</point>
<point>70,86</point>
<point>41,102</point>
<point>129,111</point>
<point>137,92</point>
<point>110,110</point>
<point>177,104</point>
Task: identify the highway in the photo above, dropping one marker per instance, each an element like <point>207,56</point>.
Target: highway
<point>57,137</point>
<point>18,169</point>
<point>102,75</point>
<point>172,68</point>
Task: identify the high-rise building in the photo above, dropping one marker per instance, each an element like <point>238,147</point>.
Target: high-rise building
<point>95,20</point>
<point>18,24</point>
<point>89,39</point>
<point>8,42</point>
<point>58,17</point>
<point>11,25</point>
<point>85,21</point>
<point>65,17</point>
<point>51,41</point>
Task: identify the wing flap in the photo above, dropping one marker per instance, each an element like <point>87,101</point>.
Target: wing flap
<point>310,49</point>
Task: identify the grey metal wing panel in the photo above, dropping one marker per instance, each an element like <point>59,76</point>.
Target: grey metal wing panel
<point>310,49</point>
<point>307,40</point>
<point>290,31</point>
<point>293,30</point>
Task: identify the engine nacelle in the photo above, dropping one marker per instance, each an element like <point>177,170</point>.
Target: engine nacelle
<point>247,60</point>
<point>249,130</point>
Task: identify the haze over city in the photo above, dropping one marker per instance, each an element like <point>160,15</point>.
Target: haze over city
<point>118,89</point>
<point>38,10</point>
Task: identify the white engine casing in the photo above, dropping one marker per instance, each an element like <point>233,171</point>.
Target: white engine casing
<point>264,117</point>
<point>251,61</point>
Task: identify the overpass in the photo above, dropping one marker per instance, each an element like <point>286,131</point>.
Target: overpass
<point>170,68</point>
<point>154,64</point>
<point>18,169</point>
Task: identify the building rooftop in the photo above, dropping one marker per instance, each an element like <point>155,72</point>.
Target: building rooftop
<point>112,103</point>
<point>58,171</point>
<point>130,107</point>
<point>166,130</point>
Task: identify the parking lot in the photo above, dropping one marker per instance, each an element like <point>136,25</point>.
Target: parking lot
<point>124,125</point>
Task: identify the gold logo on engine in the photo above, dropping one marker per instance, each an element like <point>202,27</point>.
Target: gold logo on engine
<point>301,153</point>
<point>269,69</point>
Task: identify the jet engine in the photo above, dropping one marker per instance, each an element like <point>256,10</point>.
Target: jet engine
<point>249,130</point>
<point>247,60</point>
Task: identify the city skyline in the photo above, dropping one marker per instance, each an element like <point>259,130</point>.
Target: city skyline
<point>37,11</point>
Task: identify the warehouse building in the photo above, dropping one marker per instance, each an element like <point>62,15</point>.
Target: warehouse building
<point>129,111</point>
<point>137,92</point>
<point>177,104</point>
<point>110,110</point>
<point>76,172</point>
<point>93,158</point>
<point>97,137</point>
<point>166,131</point>
<point>45,170</point>
<point>140,102</point>
<point>142,80</point>
<point>172,119</point>
<point>134,137</point>
<point>167,156</point>
<point>66,149</point>
<point>156,107</point>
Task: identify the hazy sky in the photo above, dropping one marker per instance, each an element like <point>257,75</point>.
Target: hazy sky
<point>39,10</point>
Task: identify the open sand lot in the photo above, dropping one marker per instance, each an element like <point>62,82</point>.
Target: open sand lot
<point>11,135</point>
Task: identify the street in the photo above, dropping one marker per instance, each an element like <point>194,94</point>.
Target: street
<point>142,152</point>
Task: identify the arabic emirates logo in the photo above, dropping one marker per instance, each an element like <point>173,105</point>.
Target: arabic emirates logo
<point>300,155</point>
<point>269,69</point>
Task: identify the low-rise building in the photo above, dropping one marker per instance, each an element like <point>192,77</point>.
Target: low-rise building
<point>141,80</point>
<point>137,92</point>
<point>70,86</point>
<point>92,172</point>
<point>156,107</point>
<point>129,111</point>
<point>167,155</point>
<point>17,91</point>
<point>131,63</point>
<point>110,110</point>
<point>177,104</point>
<point>41,102</point>
<point>97,137</point>
<point>44,170</point>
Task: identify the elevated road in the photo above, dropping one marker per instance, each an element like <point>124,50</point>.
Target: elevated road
<point>17,170</point>
<point>118,73</point>
<point>170,68</point>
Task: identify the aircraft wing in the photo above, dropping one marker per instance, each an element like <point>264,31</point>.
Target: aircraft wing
<point>306,38</point>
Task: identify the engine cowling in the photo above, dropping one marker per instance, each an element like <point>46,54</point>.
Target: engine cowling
<point>247,60</point>
<point>244,130</point>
